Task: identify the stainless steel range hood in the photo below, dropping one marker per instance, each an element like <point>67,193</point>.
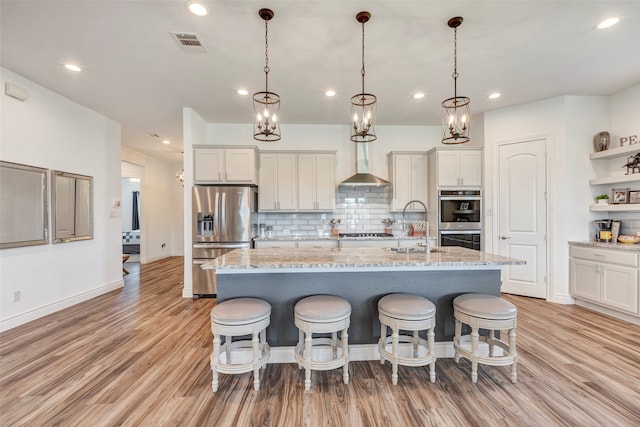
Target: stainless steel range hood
<point>363,178</point>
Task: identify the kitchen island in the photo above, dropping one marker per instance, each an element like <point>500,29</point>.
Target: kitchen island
<point>360,275</point>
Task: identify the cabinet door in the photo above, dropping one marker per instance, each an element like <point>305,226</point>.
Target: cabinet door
<point>448,168</point>
<point>268,191</point>
<point>325,182</point>
<point>317,244</point>
<point>240,166</point>
<point>470,168</point>
<point>208,165</point>
<point>402,179</point>
<point>275,244</point>
<point>585,279</point>
<point>419,179</point>
<point>287,182</point>
<point>307,182</point>
<point>389,243</point>
<point>620,287</point>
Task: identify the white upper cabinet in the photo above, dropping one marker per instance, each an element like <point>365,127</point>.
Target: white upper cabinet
<point>278,189</point>
<point>316,182</point>
<point>458,167</point>
<point>408,174</point>
<point>297,181</point>
<point>218,165</point>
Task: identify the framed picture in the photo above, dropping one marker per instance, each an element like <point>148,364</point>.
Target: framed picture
<point>634,196</point>
<point>620,195</point>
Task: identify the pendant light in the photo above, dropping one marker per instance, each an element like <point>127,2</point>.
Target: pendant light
<point>455,111</point>
<point>266,105</point>
<point>363,105</point>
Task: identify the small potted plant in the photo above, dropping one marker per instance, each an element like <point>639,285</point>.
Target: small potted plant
<point>602,199</point>
<point>334,227</point>
<point>388,222</point>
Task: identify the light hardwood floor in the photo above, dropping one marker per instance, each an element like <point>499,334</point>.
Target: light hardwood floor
<point>140,356</point>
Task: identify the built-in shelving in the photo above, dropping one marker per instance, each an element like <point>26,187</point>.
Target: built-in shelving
<point>617,152</point>
<point>615,179</point>
<point>615,208</point>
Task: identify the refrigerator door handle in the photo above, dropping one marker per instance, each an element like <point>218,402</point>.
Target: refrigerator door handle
<point>220,245</point>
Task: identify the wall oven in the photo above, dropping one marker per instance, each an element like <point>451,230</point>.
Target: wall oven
<point>460,218</point>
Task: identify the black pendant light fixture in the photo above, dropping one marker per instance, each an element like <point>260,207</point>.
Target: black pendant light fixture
<point>455,111</point>
<point>266,105</point>
<point>363,105</point>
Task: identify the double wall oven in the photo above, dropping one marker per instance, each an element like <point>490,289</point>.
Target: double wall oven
<point>460,218</point>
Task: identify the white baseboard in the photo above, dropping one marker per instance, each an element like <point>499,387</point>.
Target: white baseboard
<point>609,312</point>
<point>36,313</point>
<point>564,299</point>
<point>154,258</point>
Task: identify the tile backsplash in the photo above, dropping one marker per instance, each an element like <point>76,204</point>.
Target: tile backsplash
<point>359,209</point>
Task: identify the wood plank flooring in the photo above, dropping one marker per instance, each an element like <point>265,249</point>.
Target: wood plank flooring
<point>140,356</point>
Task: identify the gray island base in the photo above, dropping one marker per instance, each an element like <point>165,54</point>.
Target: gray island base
<point>360,275</point>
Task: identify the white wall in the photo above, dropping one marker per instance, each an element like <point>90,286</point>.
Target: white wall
<point>50,131</point>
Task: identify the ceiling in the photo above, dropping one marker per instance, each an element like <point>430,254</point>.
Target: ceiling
<point>137,74</point>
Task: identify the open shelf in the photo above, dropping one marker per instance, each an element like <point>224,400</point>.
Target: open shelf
<point>614,153</point>
<point>631,207</point>
<point>615,179</point>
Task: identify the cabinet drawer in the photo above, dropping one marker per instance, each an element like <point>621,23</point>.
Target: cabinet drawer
<point>609,256</point>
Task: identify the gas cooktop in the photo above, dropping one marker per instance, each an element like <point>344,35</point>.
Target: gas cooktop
<point>366,235</point>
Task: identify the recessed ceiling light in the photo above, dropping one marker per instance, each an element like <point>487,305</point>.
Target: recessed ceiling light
<point>166,141</point>
<point>243,92</point>
<point>330,93</point>
<point>494,95</point>
<point>418,95</point>
<point>609,22</point>
<point>197,8</point>
<point>72,67</point>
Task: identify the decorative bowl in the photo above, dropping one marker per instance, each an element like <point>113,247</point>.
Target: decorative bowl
<point>628,239</point>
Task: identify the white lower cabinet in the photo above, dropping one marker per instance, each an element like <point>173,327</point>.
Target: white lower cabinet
<point>605,277</point>
<point>388,243</point>
<point>318,244</point>
<point>275,244</point>
<point>293,244</point>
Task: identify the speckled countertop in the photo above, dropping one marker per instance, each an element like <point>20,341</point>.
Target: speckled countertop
<point>296,238</point>
<point>450,257</point>
<point>617,246</point>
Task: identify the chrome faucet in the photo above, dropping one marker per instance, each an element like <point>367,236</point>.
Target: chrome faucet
<point>426,234</point>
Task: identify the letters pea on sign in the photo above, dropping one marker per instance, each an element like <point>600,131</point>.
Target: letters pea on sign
<point>629,140</point>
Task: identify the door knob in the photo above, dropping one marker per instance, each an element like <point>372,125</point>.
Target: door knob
<point>504,237</point>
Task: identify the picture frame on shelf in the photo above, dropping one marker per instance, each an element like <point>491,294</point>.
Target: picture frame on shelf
<point>620,196</point>
<point>634,196</point>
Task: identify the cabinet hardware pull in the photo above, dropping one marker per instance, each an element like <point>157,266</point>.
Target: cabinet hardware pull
<point>505,237</point>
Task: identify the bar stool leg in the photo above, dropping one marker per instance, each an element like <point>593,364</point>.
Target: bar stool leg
<point>256,358</point>
<point>490,340</point>
<point>431,343</point>
<point>334,344</point>
<point>263,344</point>
<point>512,350</point>
<point>383,340</point>
<point>344,337</point>
<point>215,358</point>
<point>474,354</point>
<point>456,339</point>
<point>300,346</point>
<point>394,359</point>
<point>307,350</point>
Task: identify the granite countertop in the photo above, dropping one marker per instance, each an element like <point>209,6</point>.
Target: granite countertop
<point>294,237</point>
<point>616,246</point>
<point>275,260</point>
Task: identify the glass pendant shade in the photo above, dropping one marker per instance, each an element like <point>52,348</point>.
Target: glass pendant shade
<point>266,105</point>
<point>363,105</point>
<point>456,113</point>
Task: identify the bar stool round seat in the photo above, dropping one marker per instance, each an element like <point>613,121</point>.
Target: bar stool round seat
<point>409,313</point>
<point>322,314</point>
<point>490,313</point>
<point>235,318</point>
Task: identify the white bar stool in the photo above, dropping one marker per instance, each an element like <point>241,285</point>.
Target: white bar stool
<point>413,313</point>
<point>322,314</point>
<point>238,317</point>
<point>492,313</point>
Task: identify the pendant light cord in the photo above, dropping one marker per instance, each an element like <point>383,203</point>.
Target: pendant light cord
<point>266,55</point>
<point>455,62</point>
<point>362,71</point>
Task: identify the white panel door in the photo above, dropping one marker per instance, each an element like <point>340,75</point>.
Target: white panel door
<point>522,216</point>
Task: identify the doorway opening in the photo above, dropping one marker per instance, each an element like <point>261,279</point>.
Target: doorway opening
<point>131,215</point>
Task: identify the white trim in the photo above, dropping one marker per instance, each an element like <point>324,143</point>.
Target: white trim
<point>28,316</point>
<point>564,299</point>
<point>154,258</point>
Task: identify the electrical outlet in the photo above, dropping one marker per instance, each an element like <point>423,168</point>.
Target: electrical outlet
<point>17,296</point>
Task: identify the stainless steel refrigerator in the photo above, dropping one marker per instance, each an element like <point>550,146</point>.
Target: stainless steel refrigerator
<point>222,218</point>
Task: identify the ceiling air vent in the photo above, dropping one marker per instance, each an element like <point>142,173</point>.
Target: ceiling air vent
<point>189,41</point>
